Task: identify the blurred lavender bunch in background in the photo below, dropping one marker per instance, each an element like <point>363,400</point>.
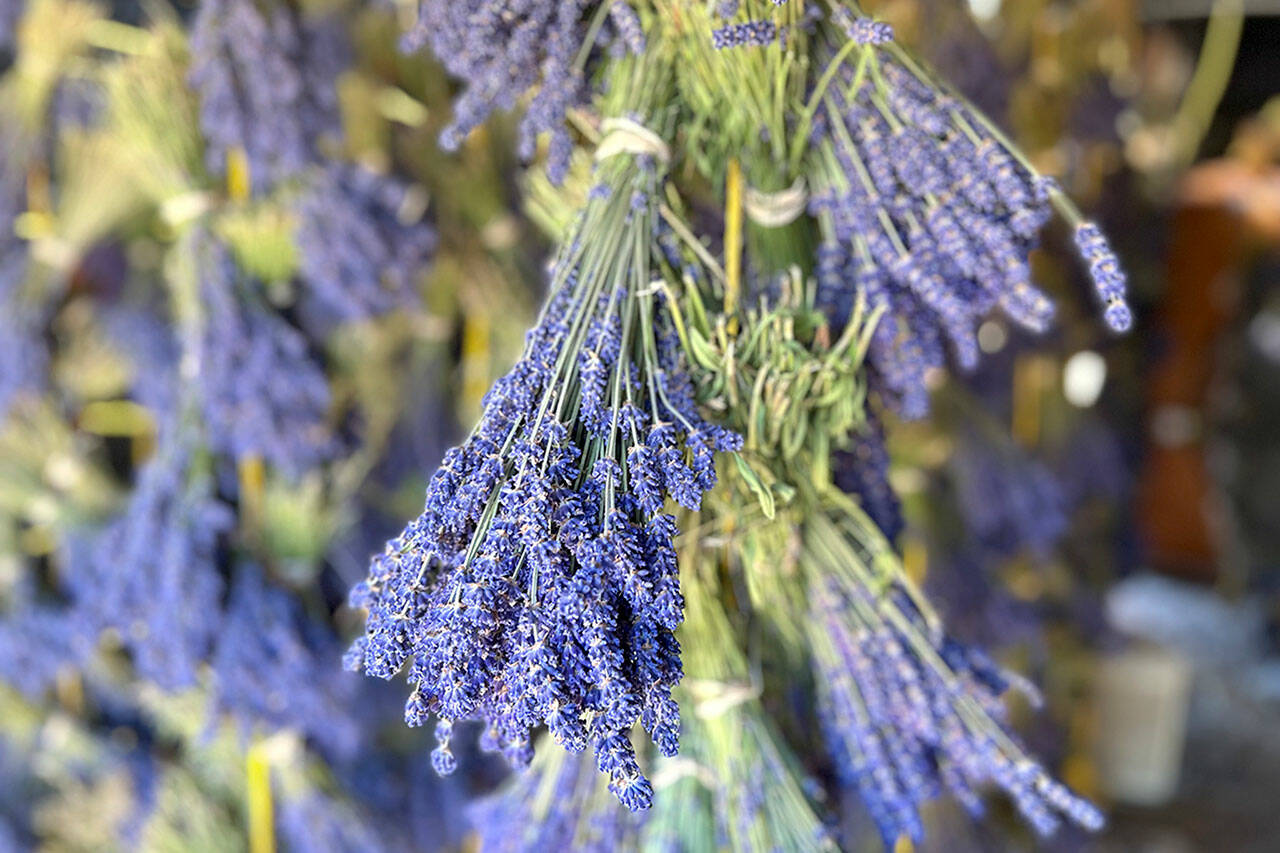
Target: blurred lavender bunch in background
<point>1009,501</point>
<point>273,667</point>
<point>23,354</point>
<point>266,76</point>
<point>862,470</point>
<point>362,243</point>
<point>928,213</point>
<point>502,50</point>
<point>152,574</point>
<point>262,392</point>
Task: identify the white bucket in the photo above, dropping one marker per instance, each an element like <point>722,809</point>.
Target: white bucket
<point>1142,697</point>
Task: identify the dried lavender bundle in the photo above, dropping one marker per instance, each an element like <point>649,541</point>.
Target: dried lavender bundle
<point>908,713</point>
<point>266,78</point>
<point>929,211</point>
<point>539,586</point>
<point>501,51</point>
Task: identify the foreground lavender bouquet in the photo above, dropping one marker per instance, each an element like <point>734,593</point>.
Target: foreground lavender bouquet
<point>539,585</point>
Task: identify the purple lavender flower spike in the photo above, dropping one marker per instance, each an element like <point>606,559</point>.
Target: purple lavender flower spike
<point>1108,279</point>
<point>746,34</point>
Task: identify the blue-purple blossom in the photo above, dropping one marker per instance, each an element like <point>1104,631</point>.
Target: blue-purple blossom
<point>1108,279</point>
<point>362,244</point>
<point>863,30</point>
<point>152,574</point>
<point>539,587</point>
<point>744,34</point>
<point>262,392</point>
<point>266,78</point>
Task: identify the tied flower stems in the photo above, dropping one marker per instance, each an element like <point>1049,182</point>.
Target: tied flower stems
<point>539,585</point>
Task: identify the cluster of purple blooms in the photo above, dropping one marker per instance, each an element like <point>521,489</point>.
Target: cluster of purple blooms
<point>539,586</point>
<point>502,51</point>
<point>262,392</point>
<point>905,728</point>
<point>38,642</point>
<point>744,34</point>
<point>361,243</point>
<point>863,30</point>
<point>266,78</point>
<point>932,219</point>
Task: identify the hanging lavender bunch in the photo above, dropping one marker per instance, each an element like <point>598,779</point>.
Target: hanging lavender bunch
<point>270,667</point>
<point>266,79</point>
<point>927,210</point>
<point>908,714</point>
<point>261,391</point>
<point>313,822</point>
<point>152,574</point>
<point>503,50</point>
<point>539,586</point>
<point>361,243</point>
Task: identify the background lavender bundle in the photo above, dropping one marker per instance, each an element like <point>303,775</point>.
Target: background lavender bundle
<point>539,586</point>
<point>152,574</point>
<point>1009,500</point>
<point>261,391</point>
<point>270,668</point>
<point>361,243</point>
<point>266,78</point>
<point>23,354</point>
<point>578,814</point>
<point>502,51</point>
